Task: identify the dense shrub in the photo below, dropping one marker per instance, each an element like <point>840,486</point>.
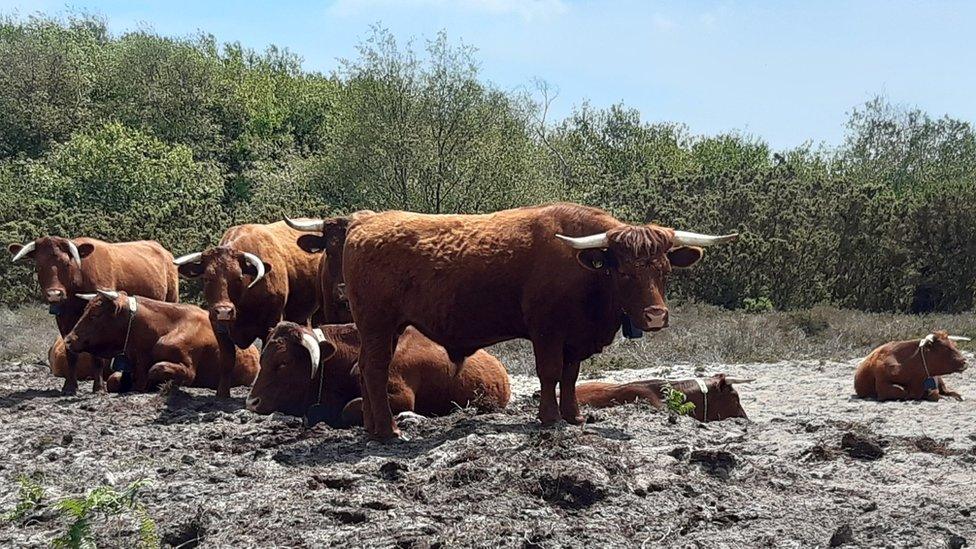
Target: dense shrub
<point>142,136</point>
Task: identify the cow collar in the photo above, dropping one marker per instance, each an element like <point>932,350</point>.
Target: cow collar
<point>929,383</point>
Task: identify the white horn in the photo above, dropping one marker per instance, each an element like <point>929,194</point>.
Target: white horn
<point>26,249</point>
<point>598,240</point>
<point>74,252</point>
<point>306,225</point>
<point>684,238</point>
<point>960,338</point>
<point>312,345</point>
<point>258,264</point>
<point>86,297</point>
<point>111,294</point>
<point>734,380</point>
<point>927,340</point>
<point>188,258</point>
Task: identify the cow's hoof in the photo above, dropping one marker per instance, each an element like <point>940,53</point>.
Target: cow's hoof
<point>410,418</point>
<point>578,419</point>
<point>69,391</point>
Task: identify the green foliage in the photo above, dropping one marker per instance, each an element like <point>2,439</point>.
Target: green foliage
<point>675,401</point>
<point>104,502</point>
<point>142,136</point>
<point>29,496</point>
<point>757,305</point>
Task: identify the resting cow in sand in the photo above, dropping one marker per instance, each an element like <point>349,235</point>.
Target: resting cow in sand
<point>66,268</point>
<point>302,367</point>
<point>328,236</point>
<point>910,370</point>
<point>255,278</point>
<point>164,341</point>
<point>715,397</point>
<point>563,276</point>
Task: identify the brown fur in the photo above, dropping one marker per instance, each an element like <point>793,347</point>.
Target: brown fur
<point>141,268</point>
<point>333,305</point>
<point>422,378</point>
<point>87,366</point>
<point>288,290</point>
<point>468,281</point>
<point>723,399</point>
<point>894,371</point>
<point>167,342</point>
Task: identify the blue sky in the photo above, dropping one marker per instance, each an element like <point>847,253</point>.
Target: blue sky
<point>788,72</point>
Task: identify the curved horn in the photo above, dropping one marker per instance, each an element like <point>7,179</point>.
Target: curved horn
<point>734,380</point>
<point>306,225</point>
<point>258,264</point>
<point>960,338</point>
<point>684,238</point>
<point>73,249</point>
<point>598,240</point>
<point>111,294</point>
<point>28,248</point>
<point>309,342</point>
<point>86,297</point>
<point>188,258</point>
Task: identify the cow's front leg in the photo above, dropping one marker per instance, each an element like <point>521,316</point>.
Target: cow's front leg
<point>549,368</point>
<point>98,384</point>
<point>228,360</point>
<point>70,386</point>
<point>374,366</point>
<point>178,373</point>
<point>568,406</point>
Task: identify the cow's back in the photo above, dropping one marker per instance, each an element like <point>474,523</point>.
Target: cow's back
<point>142,268</point>
<point>467,280</point>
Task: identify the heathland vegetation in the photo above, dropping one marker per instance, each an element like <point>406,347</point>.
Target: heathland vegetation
<point>143,136</point>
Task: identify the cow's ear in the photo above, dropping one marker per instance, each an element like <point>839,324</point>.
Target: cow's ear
<point>684,256</point>
<point>594,260</point>
<point>311,243</point>
<point>251,270</point>
<point>15,248</point>
<point>326,350</point>
<point>191,270</point>
<point>85,250</point>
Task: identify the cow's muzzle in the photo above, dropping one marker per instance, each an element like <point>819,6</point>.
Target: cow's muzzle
<point>55,295</point>
<point>655,318</point>
<point>223,313</point>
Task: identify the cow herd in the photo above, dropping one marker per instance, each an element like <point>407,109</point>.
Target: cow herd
<point>376,313</point>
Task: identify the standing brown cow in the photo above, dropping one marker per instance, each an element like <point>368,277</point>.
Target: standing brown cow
<point>66,268</point>
<point>165,341</point>
<point>330,237</point>
<point>256,277</point>
<point>469,281</point>
<point>910,370</point>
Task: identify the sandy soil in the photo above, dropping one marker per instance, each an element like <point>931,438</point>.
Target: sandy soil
<point>631,477</point>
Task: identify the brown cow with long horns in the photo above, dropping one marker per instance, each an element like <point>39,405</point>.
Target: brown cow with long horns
<point>166,342</point>
<point>714,397</point>
<point>253,279</point>
<point>67,267</point>
<point>563,276</point>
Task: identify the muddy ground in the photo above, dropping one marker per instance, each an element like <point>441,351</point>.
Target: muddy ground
<point>223,477</point>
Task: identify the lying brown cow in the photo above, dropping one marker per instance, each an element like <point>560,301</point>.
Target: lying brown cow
<point>164,341</point>
<point>329,236</point>
<point>722,400</point>
<point>910,370</point>
<point>564,276</point>
<point>86,368</point>
<point>66,268</point>
<point>256,277</point>
<point>297,362</point>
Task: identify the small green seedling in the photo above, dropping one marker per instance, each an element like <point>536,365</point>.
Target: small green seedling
<point>676,401</point>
